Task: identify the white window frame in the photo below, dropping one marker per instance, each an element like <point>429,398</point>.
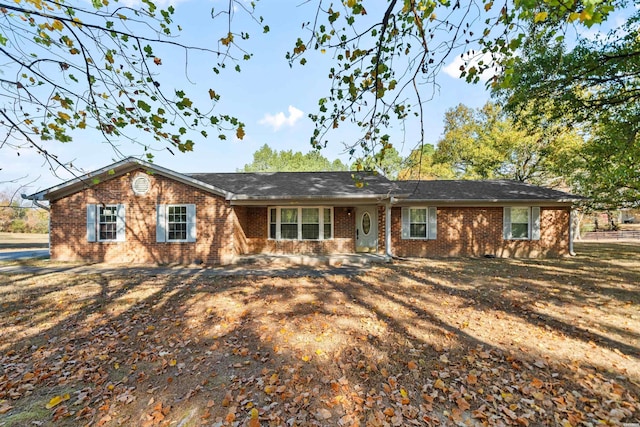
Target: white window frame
<point>278,236</point>
<point>93,222</point>
<point>533,223</point>
<point>432,222</point>
<point>162,223</point>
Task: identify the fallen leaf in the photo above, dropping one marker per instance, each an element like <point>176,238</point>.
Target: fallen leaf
<point>323,414</point>
<point>462,404</point>
<point>536,383</point>
<point>56,400</point>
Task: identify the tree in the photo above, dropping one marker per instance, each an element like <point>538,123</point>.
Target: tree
<point>595,88</point>
<point>421,165</point>
<point>76,67</point>
<point>71,66</point>
<point>15,218</point>
<point>607,171</point>
<point>387,162</point>
<point>387,60</point>
<point>487,144</point>
<point>266,159</point>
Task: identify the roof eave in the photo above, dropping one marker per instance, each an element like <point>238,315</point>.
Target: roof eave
<point>118,169</point>
<point>490,201</point>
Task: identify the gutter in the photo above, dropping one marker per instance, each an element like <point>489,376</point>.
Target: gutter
<point>247,198</point>
<point>476,202</point>
<point>35,202</point>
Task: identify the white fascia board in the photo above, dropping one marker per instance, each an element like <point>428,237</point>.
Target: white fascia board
<point>309,200</point>
<point>484,202</point>
<point>115,170</point>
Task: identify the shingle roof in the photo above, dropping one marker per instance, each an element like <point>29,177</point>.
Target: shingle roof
<point>323,185</point>
<point>298,184</point>
<point>493,190</point>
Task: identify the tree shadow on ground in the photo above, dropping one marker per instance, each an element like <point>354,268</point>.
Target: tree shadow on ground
<point>433,343</point>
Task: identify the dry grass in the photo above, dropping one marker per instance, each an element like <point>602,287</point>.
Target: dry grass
<point>23,240</point>
<point>432,342</point>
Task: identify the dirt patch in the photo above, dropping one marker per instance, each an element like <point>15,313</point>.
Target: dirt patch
<point>431,342</point>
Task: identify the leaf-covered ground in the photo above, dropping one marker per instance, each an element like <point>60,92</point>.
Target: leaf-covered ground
<point>430,342</point>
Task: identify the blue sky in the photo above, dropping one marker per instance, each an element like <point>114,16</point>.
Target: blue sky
<point>269,96</point>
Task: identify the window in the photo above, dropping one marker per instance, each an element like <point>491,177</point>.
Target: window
<point>328,223</point>
<point>289,223</point>
<point>273,224</point>
<point>308,223</point>
<point>521,223</point>
<point>105,223</point>
<point>365,225</point>
<point>419,223</point>
<point>176,223</point>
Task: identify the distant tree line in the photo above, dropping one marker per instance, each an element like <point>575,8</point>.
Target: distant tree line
<point>19,219</point>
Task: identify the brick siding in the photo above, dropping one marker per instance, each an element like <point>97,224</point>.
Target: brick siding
<point>215,242</point>
<point>254,231</point>
<point>225,231</point>
<point>477,231</point>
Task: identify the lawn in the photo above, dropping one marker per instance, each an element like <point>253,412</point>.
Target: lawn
<point>23,240</point>
<point>430,342</point>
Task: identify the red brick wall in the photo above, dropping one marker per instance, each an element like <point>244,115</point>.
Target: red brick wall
<point>477,231</point>
<point>224,231</point>
<point>254,229</point>
<point>215,243</point>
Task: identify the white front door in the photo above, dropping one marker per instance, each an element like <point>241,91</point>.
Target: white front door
<point>367,229</point>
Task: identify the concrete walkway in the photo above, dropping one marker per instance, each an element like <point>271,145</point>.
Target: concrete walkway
<point>13,255</point>
<point>256,265</point>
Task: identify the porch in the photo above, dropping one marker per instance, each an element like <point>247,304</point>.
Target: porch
<point>329,260</point>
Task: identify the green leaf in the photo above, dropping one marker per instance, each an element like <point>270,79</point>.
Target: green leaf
<point>144,106</point>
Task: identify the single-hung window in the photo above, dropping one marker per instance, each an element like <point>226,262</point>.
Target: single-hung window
<point>105,223</point>
<point>521,223</point>
<point>289,223</point>
<point>176,223</point>
<point>419,223</point>
<point>273,223</point>
<point>328,223</point>
<point>310,224</point>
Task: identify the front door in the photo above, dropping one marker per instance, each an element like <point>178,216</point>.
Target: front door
<point>367,229</point>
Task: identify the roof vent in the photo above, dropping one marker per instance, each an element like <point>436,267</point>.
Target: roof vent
<point>141,185</point>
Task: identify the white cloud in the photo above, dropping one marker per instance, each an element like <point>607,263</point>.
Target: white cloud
<point>469,60</point>
<point>280,119</point>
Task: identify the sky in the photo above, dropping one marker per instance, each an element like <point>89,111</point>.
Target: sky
<point>270,97</point>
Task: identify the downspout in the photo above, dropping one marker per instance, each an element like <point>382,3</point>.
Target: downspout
<point>571,231</point>
<point>387,231</point>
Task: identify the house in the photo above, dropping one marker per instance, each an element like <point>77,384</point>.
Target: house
<point>137,212</point>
